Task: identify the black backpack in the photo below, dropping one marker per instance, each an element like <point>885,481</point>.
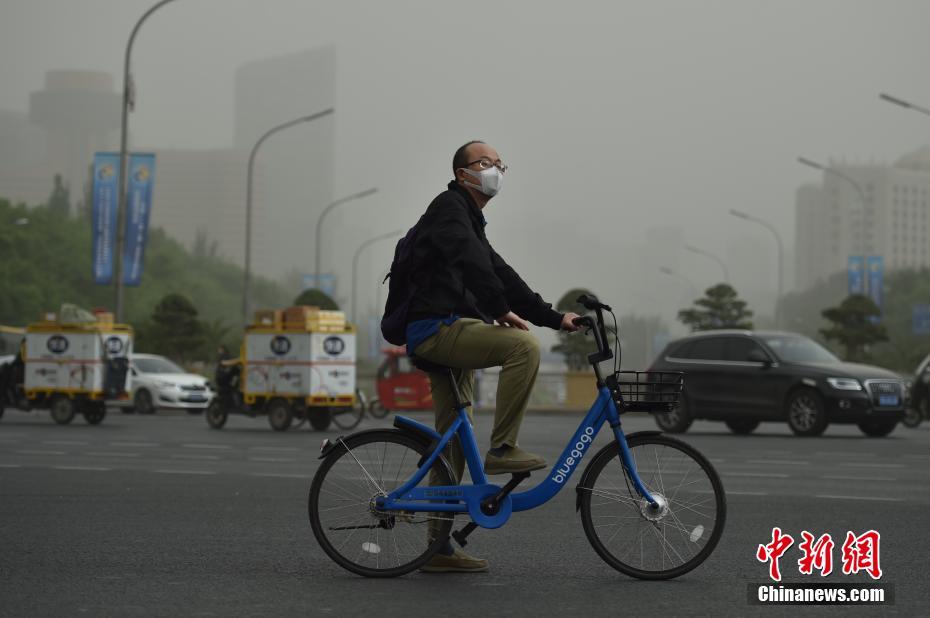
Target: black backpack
<point>401,289</point>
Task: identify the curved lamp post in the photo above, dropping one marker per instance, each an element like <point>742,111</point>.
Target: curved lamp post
<point>129,102</point>
<point>355,257</point>
<point>668,271</point>
<point>723,266</point>
<point>781,250</point>
<point>247,277</point>
<point>319,225</point>
<point>904,104</point>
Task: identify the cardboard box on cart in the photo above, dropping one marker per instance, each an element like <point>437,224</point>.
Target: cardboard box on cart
<point>301,360</point>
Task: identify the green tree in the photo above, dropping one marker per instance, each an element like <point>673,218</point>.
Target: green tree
<point>316,298</point>
<point>59,202</point>
<point>720,307</point>
<point>575,348</point>
<point>174,330</point>
<point>854,326</point>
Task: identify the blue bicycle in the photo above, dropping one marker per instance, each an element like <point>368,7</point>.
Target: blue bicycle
<point>384,501</point>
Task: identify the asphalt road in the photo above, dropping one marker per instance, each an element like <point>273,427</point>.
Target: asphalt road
<point>160,515</point>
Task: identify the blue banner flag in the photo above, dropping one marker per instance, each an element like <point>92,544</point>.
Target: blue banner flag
<point>138,207</point>
<point>103,214</point>
<point>876,273</point>
<point>855,266</point>
<point>920,319</point>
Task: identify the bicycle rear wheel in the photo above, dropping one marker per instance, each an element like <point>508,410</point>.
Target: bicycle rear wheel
<point>345,522</point>
<point>638,539</point>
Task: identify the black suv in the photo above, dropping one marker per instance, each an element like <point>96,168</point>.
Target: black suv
<point>745,377</point>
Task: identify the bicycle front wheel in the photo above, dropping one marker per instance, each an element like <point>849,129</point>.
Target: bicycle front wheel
<point>646,541</point>
<point>356,535</point>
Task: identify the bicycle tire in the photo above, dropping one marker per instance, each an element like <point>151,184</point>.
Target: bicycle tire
<point>347,418</point>
<point>684,514</point>
<point>376,410</point>
<point>361,448</point>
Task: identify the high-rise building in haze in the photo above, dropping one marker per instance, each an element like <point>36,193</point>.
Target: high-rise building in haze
<point>833,223</point>
<point>74,115</point>
<point>297,164</point>
<point>80,112</point>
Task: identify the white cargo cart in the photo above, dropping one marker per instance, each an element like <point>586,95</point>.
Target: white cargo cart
<point>71,368</point>
<point>298,369</point>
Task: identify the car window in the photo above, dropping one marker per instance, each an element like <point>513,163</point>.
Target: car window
<point>798,349</point>
<point>738,349</point>
<point>709,348</point>
<point>682,350</point>
<point>156,365</point>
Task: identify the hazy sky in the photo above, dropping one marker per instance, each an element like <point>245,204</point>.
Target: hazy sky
<point>614,116</point>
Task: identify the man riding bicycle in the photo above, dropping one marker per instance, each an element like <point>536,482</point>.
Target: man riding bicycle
<point>463,287</point>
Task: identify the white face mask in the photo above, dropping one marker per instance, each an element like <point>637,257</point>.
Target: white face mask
<point>489,180</point>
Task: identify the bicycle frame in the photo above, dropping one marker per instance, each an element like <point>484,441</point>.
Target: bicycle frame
<point>467,498</point>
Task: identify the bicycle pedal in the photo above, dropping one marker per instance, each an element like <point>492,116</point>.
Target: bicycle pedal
<point>461,535</point>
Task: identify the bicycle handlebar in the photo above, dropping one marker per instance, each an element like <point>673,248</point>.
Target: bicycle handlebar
<point>596,326</point>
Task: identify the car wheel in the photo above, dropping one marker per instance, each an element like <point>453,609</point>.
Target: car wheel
<point>280,414</point>
<point>742,427</point>
<point>912,417</point>
<point>216,415</point>
<point>61,409</point>
<point>805,412</point>
<point>877,428</point>
<point>320,418</point>
<point>142,402</point>
<point>676,420</point>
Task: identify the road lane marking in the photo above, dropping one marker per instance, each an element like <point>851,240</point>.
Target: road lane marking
<point>856,464</point>
<point>110,454</point>
<point>289,449</point>
<point>778,462</point>
<point>82,468</point>
<point>281,475</point>
<point>31,452</point>
<point>858,478</point>
<point>870,498</point>
<point>216,446</point>
<point>134,444</point>
<point>844,454</point>
<point>10,466</point>
<point>273,459</point>
<point>200,472</point>
<point>763,475</point>
<point>209,457</point>
<point>745,493</point>
<point>65,442</point>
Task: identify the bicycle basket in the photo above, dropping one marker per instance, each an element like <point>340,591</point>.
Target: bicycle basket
<point>648,391</point>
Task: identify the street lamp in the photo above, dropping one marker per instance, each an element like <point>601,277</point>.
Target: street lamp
<point>723,267</point>
<point>771,228</point>
<point>319,225</point>
<point>904,104</point>
<point>355,257</point>
<point>247,277</point>
<point>858,245</point>
<point>129,102</point>
<point>668,271</point>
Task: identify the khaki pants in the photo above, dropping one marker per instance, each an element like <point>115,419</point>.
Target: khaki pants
<point>471,344</point>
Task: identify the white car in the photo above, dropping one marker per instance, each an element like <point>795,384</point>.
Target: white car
<point>157,382</point>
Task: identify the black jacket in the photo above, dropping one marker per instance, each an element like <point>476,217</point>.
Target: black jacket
<point>456,270</point>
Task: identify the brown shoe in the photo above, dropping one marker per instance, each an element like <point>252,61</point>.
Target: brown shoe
<point>458,562</point>
<point>513,461</point>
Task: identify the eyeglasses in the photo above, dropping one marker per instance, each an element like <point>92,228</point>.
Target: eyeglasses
<point>486,164</point>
